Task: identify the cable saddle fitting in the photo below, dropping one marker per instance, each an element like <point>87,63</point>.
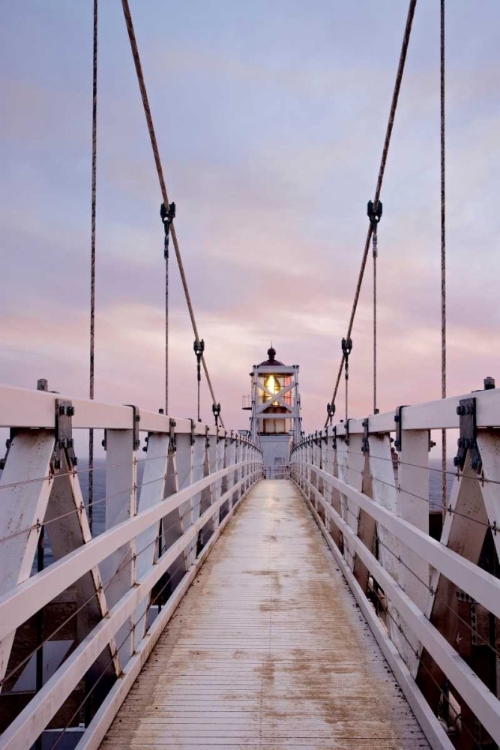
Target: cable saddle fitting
<point>346,346</point>
<point>374,214</point>
<point>167,218</point>
<point>330,410</point>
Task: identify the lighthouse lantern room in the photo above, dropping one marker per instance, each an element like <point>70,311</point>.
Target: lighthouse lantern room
<point>275,411</point>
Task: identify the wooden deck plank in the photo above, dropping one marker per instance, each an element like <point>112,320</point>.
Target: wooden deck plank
<point>267,650</point>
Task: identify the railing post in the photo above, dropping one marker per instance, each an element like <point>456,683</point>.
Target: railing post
<point>198,452</point>
<point>413,506</point>
<point>152,492</point>
<point>118,570</point>
<point>184,460</point>
<point>23,506</point>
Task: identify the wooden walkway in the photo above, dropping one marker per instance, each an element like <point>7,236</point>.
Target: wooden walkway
<point>267,650</point>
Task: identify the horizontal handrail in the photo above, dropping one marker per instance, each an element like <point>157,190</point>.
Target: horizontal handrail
<point>478,583</point>
<point>25,408</point>
<point>23,601</point>
<point>432,415</point>
<point>480,699</point>
<point>24,730</point>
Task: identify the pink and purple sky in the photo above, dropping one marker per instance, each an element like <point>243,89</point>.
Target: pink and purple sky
<point>270,119</point>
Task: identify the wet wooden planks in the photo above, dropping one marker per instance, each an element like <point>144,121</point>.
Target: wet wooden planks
<point>267,650</point>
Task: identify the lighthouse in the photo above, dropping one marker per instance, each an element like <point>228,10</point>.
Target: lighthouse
<point>275,412</point>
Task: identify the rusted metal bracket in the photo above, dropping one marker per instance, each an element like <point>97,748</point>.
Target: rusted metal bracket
<point>346,427</point>
<point>365,443</point>
<point>136,418</point>
<point>64,434</point>
<point>172,444</point>
<point>193,438</point>
<point>207,437</point>
<point>8,444</point>
<point>325,436</point>
<point>467,441</point>
<point>398,418</point>
<point>334,438</point>
<point>467,599</point>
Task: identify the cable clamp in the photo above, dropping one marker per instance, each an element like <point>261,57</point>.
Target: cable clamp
<point>374,212</point>
<point>346,347</point>
<point>216,412</point>
<point>330,410</point>
<point>167,217</point>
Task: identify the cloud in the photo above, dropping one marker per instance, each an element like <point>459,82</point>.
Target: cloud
<point>270,151</point>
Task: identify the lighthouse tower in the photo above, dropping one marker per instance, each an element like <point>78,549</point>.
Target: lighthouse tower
<point>275,406</point>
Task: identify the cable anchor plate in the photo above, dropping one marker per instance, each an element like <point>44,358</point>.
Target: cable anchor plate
<point>64,434</point>
<point>136,418</point>
<point>172,444</point>
<point>365,443</point>
<point>398,418</point>
<point>467,442</point>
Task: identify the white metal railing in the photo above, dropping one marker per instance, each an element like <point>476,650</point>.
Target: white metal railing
<point>277,472</point>
<point>439,598</point>
<point>162,515</point>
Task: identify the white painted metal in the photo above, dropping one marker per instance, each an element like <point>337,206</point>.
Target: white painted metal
<point>481,585</point>
<point>275,443</point>
<point>24,494</point>
<point>27,726</point>
<point>417,575</point>
<point>430,724</point>
<point>351,493</point>
<point>118,568</point>
<point>152,492</point>
<point>481,700</point>
<point>111,611</point>
<point>413,506</point>
<point>26,599</point>
<point>267,650</point>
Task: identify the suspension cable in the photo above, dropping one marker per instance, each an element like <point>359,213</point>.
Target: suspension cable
<point>92,255</point>
<point>374,215</point>
<point>375,255</point>
<point>385,151</point>
<point>443,246</point>
<point>161,179</point>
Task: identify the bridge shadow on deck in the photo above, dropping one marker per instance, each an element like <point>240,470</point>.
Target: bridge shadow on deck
<point>268,649</point>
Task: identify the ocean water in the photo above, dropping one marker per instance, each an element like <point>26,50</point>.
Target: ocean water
<point>435,487</point>
<point>99,502</point>
<point>99,505</point>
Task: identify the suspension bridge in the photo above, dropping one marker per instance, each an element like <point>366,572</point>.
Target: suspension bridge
<point>207,587</point>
